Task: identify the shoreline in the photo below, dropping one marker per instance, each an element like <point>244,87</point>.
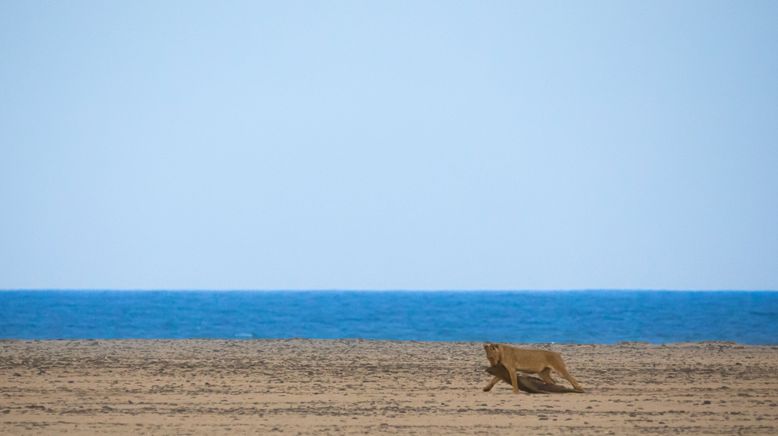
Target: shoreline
<point>357,386</point>
<point>541,345</point>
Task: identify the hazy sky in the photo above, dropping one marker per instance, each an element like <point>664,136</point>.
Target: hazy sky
<point>389,144</point>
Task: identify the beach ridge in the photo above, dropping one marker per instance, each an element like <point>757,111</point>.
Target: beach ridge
<point>365,386</point>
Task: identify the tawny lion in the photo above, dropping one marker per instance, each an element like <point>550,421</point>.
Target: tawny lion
<point>539,362</point>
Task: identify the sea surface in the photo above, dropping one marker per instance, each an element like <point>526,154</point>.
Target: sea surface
<point>560,316</point>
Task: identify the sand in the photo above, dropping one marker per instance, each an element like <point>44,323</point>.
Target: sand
<point>358,387</point>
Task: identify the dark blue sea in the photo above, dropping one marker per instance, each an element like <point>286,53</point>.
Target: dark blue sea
<point>562,317</point>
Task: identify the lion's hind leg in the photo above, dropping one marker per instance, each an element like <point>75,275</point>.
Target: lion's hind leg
<point>559,366</point>
<point>546,375</point>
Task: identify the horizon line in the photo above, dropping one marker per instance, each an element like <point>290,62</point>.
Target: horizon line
<point>379,290</point>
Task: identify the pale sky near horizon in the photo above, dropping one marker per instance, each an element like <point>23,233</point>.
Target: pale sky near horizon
<point>389,144</point>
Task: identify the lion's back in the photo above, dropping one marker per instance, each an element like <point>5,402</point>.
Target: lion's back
<point>531,359</point>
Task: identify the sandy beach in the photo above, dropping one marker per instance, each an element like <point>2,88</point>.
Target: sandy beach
<point>358,386</point>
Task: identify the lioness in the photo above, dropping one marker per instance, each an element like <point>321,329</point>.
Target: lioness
<point>539,362</point>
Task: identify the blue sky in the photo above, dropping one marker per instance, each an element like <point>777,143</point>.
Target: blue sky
<point>389,145</point>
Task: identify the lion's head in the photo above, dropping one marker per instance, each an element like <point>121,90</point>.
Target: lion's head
<point>493,353</point>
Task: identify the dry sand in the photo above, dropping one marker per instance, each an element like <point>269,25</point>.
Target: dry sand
<point>357,387</point>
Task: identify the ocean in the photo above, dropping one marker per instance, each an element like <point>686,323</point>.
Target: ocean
<point>524,316</point>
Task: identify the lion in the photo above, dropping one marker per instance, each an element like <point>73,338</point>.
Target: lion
<point>538,362</point>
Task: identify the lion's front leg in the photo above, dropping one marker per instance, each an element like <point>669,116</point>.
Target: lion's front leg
<point>514,379</point>
<point>491,384</point>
